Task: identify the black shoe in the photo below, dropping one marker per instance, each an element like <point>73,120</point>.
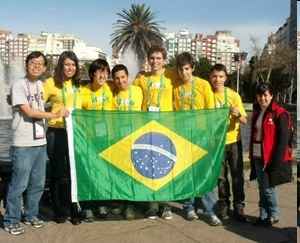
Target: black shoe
<point>239,215</point>
<point>223,212</point>
<point>261,222</point>
<point>60,220</point>
<point>223,217</point>
<point>240,218</point>
<point>75,221</point>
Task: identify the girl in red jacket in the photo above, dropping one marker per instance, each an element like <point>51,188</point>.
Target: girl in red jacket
<point>270,154</point>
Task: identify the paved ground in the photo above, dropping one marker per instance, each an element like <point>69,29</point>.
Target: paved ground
<point>176,230</point>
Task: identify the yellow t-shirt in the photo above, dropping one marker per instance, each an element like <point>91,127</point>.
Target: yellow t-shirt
<point>157,90</point>
<point>233,100</point>
<point>101,99</point>
<point>130,99</point>
<point>194,95</point>
<point>67,96</point>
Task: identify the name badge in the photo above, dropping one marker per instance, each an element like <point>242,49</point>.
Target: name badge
<point>101,99</point>
<point>257,150</point>
<point>38,129</point>
<point>153,109</point>
<point>155,85</point>
<point>125,102</point>
<point>219,104</point>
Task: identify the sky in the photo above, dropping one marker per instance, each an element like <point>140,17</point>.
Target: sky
<point>92,20</point>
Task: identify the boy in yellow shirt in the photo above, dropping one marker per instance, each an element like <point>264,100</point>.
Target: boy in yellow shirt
<point>233,157</point>
<point>157,87</point>
<point>127,97</point>
<point>97,95</point>
<point>193,93</point>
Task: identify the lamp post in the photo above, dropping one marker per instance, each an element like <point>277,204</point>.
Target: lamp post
<point>239,57</point>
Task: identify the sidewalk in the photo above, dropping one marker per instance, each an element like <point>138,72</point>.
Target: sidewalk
<point>176,230</point>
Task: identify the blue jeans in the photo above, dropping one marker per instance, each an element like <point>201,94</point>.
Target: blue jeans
<point>267,195</point>
<point>28,173</point>
<point>208,202</point>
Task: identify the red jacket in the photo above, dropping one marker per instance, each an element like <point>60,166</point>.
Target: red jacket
<point>275,148</point>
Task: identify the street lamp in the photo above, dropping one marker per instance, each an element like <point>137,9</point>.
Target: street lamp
<point>239,57</point>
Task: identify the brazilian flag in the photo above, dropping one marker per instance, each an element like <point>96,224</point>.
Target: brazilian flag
<point>145,156</point>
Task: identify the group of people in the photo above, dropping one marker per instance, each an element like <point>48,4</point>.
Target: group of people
<point>159,90</point>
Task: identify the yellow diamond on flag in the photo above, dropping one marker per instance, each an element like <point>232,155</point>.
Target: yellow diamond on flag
<point>153,155</point>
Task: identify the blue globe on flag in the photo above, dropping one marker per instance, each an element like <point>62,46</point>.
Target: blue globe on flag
<point>153,155</point>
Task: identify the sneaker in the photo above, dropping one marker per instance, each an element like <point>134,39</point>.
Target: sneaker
<point>273,220</point>
<point>14,229</point>
<point>191,215</point>
<point>88,216</point>
<point>223,216</point>
<point>35,222</point>
<point>167,213</point>
<point>153,209</point>
<point>129,212</point>
<point>223,213</point>
<point>102,212</point>
<point>75,220</point>
<point>116,210</point>
<point>214,220</point>
<point>151,214</point>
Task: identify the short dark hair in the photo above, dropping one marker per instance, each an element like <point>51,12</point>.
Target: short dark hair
<point>35,54</point>
<point>59,69</point>
<point>183,59</point>
<point>219,67</point>
<point>262,87</point>
<point>98,64</point>
<point>156,48</point>
<point>117,68</point>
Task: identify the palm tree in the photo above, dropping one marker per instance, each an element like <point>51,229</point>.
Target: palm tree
<point>137,29</point>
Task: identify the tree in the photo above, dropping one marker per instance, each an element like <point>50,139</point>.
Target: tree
<point>202,68</point>
<point>276,64</point>
<point>136,28</point>
<point>171,63</point>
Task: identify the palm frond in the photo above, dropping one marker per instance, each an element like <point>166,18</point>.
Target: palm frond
<point>136,28</point>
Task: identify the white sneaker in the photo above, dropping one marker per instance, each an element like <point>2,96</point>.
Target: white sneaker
<point>14,229</point>
<point>214,220</point>
<point>167,214</point>
<point>191,215</point>
<point>35,222</point>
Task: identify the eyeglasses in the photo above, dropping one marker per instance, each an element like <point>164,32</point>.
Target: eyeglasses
<point>37,64</point>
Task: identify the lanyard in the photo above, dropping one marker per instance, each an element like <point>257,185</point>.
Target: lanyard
<point>225,96</point>
<point>31,97</point>
<point>64,91</point>
<point>159,90</point>
<point>182,96</point>
<point>130,102</point>
<point>94,99</point>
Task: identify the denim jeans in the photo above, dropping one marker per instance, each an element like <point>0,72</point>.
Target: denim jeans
<point>233,163</point>
<point>28,173</point>
<point>268,202</point>
<point>208,202</point>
